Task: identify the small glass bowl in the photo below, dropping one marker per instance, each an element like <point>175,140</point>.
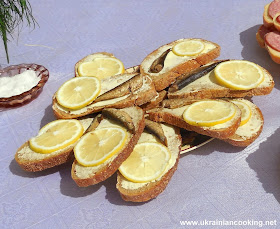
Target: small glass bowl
<point>27,96</point>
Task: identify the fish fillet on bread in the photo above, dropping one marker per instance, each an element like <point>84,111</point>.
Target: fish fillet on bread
<point>163,66</point>
<point>207,87</point>
<point>119,91</point>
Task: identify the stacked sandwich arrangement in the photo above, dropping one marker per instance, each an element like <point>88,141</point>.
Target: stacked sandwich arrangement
<point>268,35</point>
<point>129,121</point>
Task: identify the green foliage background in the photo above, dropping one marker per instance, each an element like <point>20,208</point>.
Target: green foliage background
<point>12,14</point>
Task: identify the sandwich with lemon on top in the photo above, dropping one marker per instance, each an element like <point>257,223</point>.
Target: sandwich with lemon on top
<point>169,61</point>
<point>101,82</point>
<point>205,105</point>
<point>151,165</point>
<point>111,139</point>
<point>53,145</point>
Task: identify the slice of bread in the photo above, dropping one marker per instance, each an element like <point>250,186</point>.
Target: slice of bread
<point>172,65</point>
<point>267,20</point>
<point>207,87</point>
<point>174,116</point>
<point>134,90</point>
<point>85,176</point>
<point>31,161</point>
<point>249,132</point>
<point>140,192</point>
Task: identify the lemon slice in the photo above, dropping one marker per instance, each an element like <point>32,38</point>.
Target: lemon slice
<point>147,162</point>
<point>209,112</point>
<point>245,109</point>
<point>56,135</point>
<point>188,48</point>
<point>239,74</point>
<point>101,67</point>
<point>78,92</point>
<point>99,145</point>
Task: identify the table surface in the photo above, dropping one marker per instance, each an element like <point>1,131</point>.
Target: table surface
<point>215,182</point>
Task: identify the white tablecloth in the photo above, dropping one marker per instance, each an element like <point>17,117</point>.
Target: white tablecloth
<point>214,183</point>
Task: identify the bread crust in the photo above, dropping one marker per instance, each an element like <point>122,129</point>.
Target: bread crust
<point>162,81</point>
<point>267,20</point>
<point>39,165</point>
<point>274,55</point>
<point>151,189</point>
<point>110,168</point>
<point>158,115</point>
<point>260,40</point>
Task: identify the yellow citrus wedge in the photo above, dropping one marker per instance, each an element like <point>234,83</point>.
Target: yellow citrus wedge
<point>99,145</point>
<point>188,48</point>
<point>101,67</point>
<point>56,135</point>
<point>209,112</point>
<point>239,74</point>
<point>245,109</point>
<point>147,162</point>
<point>78,92</point>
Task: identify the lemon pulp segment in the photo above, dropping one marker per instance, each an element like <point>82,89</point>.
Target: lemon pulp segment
<point>99,145</point>
<point>56,135</point>
<point>209,112</point>
<point>147,162</point>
